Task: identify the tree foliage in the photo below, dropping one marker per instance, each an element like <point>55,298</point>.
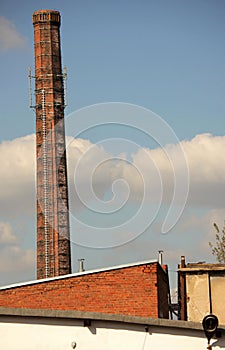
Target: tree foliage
<point>218,250</point>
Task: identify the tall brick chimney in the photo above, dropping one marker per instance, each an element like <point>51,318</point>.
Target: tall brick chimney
<point>53,238</point>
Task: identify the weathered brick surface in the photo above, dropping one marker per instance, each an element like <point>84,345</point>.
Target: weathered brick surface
<point>49,85</point>
<point>133,290</point>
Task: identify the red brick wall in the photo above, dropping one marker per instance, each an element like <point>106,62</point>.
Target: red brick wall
<point>129,291</point>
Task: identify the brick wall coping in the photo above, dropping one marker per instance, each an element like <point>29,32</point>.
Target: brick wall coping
<point>211,268</point>
<point>22,284</point>
<point>97,316</point>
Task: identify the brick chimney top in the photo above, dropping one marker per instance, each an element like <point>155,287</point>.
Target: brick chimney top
<point>46,16</point>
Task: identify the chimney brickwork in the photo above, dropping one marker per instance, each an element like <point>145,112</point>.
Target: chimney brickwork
<point>53,239</point>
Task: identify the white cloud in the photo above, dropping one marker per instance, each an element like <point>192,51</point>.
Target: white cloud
<point>6,234</point>
<point>152,172</point>
<point>206,163</point>
<point>17,176</point>
<point>90,171</point>
<point>10,38</point>
<point>13,257</point>
<point>206,157</point>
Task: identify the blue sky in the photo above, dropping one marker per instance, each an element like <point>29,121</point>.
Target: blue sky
<point>166,56</point>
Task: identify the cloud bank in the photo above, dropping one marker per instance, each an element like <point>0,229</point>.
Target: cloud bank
<point>150,171</point>
<point>147,172</point>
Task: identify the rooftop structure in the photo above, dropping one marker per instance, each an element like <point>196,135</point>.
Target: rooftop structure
<point>200,287</point>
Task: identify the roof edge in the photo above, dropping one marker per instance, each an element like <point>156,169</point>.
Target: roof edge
<point>202,269</point>
<point>95,316</point>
